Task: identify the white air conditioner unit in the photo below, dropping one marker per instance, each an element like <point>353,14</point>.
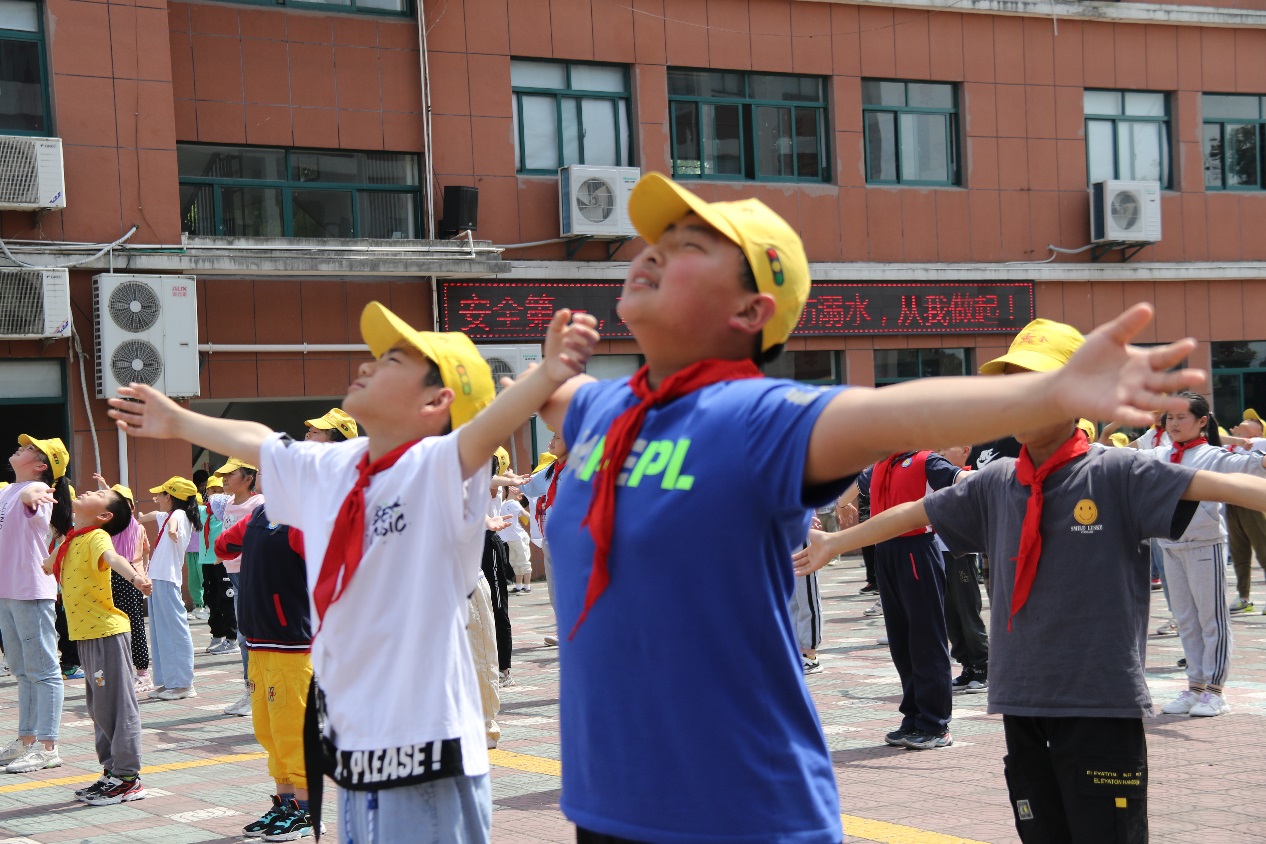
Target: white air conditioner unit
<point>594,201</point>
<point>34,304</point>
<point>31,174</point>
<point>509,361</point>
<point>1125,212</point>
<point>147,333</point>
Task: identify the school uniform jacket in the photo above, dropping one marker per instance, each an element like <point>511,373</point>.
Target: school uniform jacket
<point>273,611</point>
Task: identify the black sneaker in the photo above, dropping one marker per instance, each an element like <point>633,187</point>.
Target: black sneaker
<point>296,823</point>
<point>869,589</point>
<point>117,790</point>
<point>94,789</point>
<point>261,826</point>
<point>962,681</point>
<point>897,738</point>
<point>919,740</point>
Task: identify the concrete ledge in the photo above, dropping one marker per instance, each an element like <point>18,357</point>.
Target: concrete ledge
<point>1163,13</point>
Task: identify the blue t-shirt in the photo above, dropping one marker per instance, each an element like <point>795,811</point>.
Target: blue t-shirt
<point>685,714</point>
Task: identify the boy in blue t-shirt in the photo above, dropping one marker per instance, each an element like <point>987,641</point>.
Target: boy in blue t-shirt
<point>728,746</point>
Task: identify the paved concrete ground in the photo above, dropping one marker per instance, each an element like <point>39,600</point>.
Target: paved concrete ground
<point>207,776</point>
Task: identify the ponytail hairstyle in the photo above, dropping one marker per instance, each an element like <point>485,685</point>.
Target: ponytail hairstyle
<point>63,518</point>
<point>190,507</point>
<point>1199,407</point>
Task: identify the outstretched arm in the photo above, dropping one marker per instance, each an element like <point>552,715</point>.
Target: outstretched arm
<point>1241,490</point>
<point>568,345</point>
<point>824,547</point>
<point>1106,379</point>
<point>153,415</point>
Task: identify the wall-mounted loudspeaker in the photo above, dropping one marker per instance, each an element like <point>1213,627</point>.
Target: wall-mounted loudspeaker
<point>461,210</point>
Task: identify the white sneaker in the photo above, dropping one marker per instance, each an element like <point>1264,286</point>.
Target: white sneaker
<point>143,683</point>
<point>883,640</point>
<point>504,680</point>
<point>13,750</point>
<point>1169,628</point>
<point>241,707</point>
<point>189,616</point>
<point>1210,704</point>
<point>874,609</point>
<point>1182,704</point>
<point>216,641</point>
<point>201,613</point>
<point>226,646</point>
<point>175,694</point>
<point>551,641</point>
<point>4,668</point>
<point>36,758</point>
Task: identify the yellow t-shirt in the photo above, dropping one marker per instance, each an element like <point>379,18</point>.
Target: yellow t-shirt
<point>90,609</point>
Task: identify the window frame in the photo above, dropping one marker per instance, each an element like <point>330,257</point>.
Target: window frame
<point>968,363</point>
<point>954,164</point>
<point>46,130</point>
<point>1221,123</point>
<point>288,188</point>
<point>338,7</point>
<point>517,92</point>
<point>747,105</point>
<point>1166,121</point>
<point>1216,373</point>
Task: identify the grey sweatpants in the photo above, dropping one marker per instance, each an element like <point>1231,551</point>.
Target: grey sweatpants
<point>111,699</point>
<point>1197,596</point>
<point>806,612</point>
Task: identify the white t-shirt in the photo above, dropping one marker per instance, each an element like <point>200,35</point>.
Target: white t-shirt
<point>168,560</point>
<point>392,653</point>
<point>515,532</point>
<point>1148,440</point>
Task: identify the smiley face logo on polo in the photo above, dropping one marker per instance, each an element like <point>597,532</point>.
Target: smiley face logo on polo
<point>1085,512</point>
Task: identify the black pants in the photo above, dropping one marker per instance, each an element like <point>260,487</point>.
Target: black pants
<point>969,643</point>
<point>217,594</point>
<point>868,557</point>
<point>584,836</point>
<point>912,593</point>
<point>1080,780</point>
<point>69,650</point>
<point>495,563</point>
<point>129,599</point>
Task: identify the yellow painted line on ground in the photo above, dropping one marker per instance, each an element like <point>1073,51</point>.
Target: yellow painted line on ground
<point>862,828</point>
<point>153,769</point>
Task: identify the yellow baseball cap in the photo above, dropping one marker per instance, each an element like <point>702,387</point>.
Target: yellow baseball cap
<point>503,460</point>
<point>233,465</point>
<point>54,451</point>
<point>462,369</point>
<point>177,487</point>
<point>1249,413</point>
<point>1041,346</point>
<point>125,492</point>
<point>215,480</point>
<point>335,419</point>
<point>772,248</point>
<point>546,459</point>
<point>1119,440</point>
<point>1086,425</point>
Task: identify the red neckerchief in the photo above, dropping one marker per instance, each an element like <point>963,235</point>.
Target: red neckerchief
<point>61,552</point>
<point>1031,532</point>
<point>623,432</point>
<point>546,501</point>
<point>1175,456</point>
<point>347,541</point>
<point>1156,436</point>
<point>206,525</point>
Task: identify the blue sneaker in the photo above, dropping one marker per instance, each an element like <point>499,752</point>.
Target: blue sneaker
<point>296,823</point>
<point>75,673</point>
<point>260,828</point>
<point>920,740</point>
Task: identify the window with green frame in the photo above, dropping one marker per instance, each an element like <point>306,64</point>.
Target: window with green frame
<point>1127,136</point>
<point>911,132</point>
<point>892,366</point>
<point>811,367</point>
<point>1239,378</point>
<point>23,84</point>
<point>372,7</point>
<point>758,126</point>
<point>569,113</point>
<point>1232,141</point>
<point>268,192</point>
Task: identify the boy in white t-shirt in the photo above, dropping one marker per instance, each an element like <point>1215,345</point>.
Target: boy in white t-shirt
<point>409,502</point>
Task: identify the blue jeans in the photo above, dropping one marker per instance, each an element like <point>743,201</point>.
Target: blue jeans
<point>235,578</point>
<point>30,639</point>
<point>171,645</point>
<point>454,810</point>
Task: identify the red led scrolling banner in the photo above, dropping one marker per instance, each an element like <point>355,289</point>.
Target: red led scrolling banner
<point>503,310</point>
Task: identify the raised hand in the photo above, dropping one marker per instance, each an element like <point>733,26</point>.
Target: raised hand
<point>142,411</point>
<point>569,343</point>
<point>1109,379</point>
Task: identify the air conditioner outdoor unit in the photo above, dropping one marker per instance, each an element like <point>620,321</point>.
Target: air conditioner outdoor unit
<point>1125,212</point>
<point>594,201</point>
<point>147,333</point>
<point>34,304</point>
<point>31,175</point>
<point>509,361</point>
